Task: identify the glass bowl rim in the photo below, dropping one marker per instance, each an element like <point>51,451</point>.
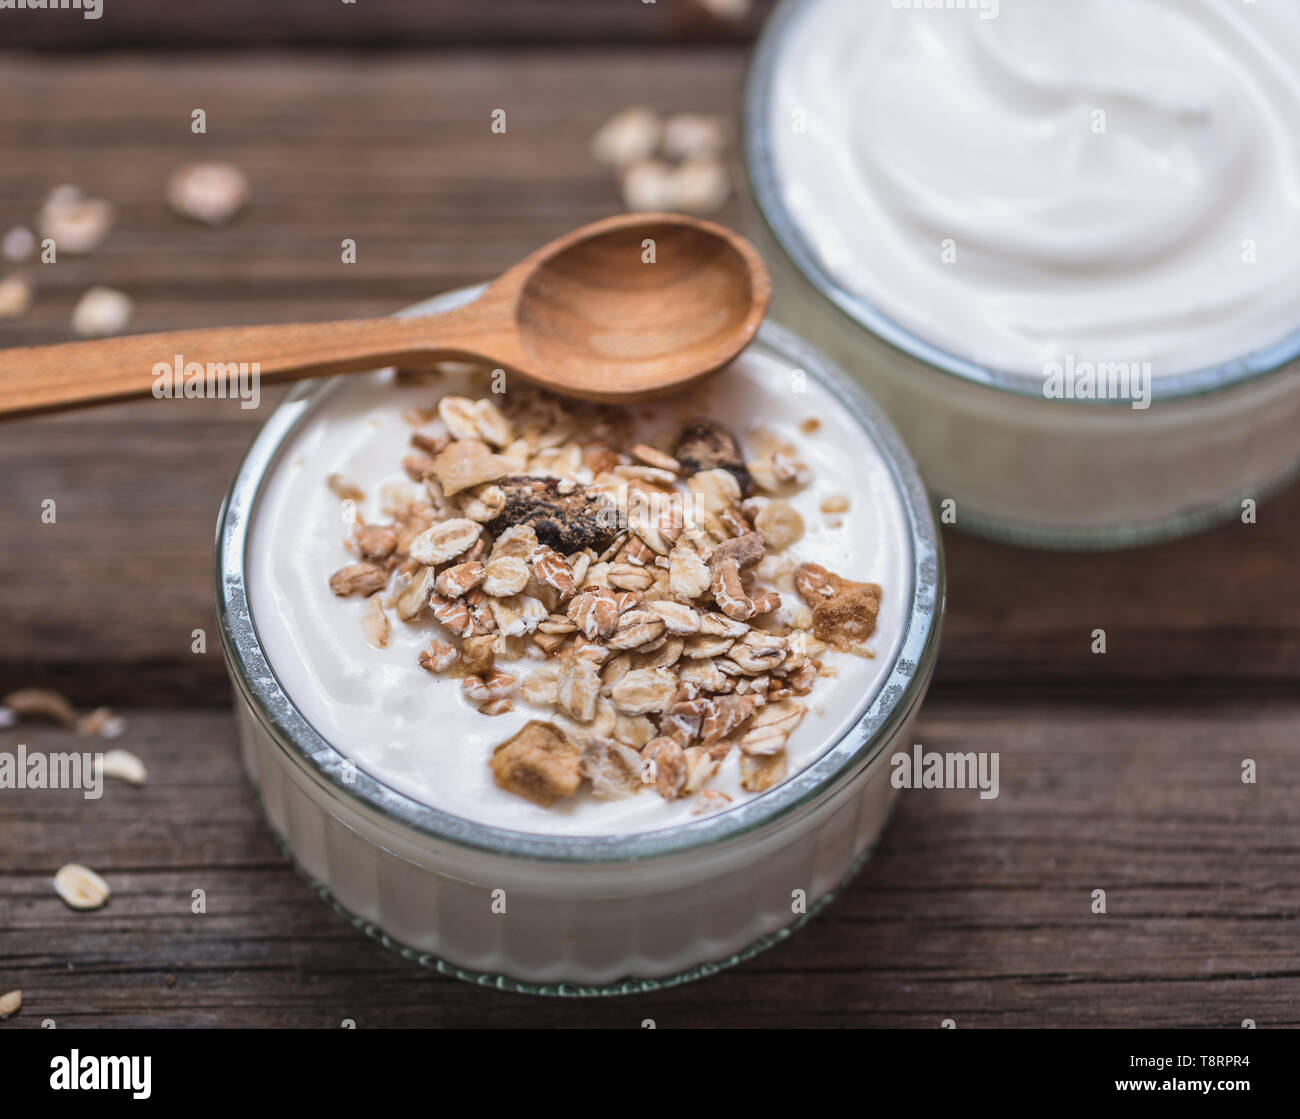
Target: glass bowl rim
<point>895,699</point>
<point>763,182</point>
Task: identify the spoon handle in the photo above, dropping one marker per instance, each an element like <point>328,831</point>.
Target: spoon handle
<point>49,378</point>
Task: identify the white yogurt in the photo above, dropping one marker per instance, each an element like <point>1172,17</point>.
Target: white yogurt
<point>415,732</point>
<point>1102,180</point>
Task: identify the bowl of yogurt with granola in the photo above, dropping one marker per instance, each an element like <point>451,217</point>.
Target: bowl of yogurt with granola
<point>578,697</point>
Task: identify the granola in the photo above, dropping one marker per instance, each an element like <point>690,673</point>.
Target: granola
<point>644,597</point>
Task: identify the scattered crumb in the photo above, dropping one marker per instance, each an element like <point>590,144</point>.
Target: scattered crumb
<point>101,312</point>
<point>80,886</point>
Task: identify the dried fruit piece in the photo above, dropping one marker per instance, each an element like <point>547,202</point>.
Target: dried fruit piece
<point>705,444</point>
<point>445,541</point>
<point>538,763</point>
<point>212,192</point>
<point>844,612</point>
<point>80,886</point>
<point>567,520</point>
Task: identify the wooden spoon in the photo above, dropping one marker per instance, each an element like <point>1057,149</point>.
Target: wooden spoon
<point>622,309</point>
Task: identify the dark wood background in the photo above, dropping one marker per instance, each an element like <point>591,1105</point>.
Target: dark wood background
<point>1119,772</point>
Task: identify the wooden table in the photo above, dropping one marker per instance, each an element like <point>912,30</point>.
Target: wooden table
<point>1119,772</point>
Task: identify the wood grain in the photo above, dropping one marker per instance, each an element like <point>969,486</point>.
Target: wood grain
<point>976,910</point>
<point>380,24</point>
<point>103,603</point>
<point>1119,772</point>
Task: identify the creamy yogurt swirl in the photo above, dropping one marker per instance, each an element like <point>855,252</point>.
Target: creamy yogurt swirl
<point>1106,180</point>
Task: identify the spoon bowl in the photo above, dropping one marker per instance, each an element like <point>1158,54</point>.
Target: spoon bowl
<point>624,309</point>
<point>640,307</point>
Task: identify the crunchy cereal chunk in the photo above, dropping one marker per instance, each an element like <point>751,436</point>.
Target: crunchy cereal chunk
<point>504,576</point>
<point>552,570</point>
<point>843,612</point>
<point>444,541</point>
<point>374,623</point>
<point>729,591</point>
<point>667,762</point>
<point>725,714</point>
<point>477,654</point>
<point>577,687</point>
<point>595,613</point>
<point>780,524</point>
<point>439,656</point>
<point>375,542</point>
<point>362,578</point>
<point>466,463</point>
<point>459,579</point>
<point>643,690</point>
<point>771,726</point>
<point>745,551</point>
<point>759,772</point>
<point>613,769</point>
<point>539,763</point>
<point>688,574</point>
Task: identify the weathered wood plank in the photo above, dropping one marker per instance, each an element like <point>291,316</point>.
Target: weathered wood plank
<point>978,910</point>
<point>397,154</point>
<point>378,24</point>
